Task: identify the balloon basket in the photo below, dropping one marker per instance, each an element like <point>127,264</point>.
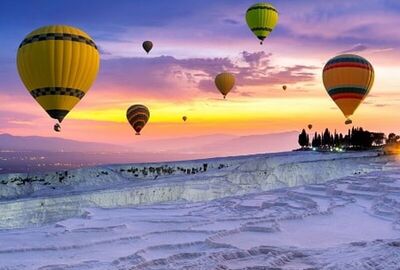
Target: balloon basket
<point>57,127</point>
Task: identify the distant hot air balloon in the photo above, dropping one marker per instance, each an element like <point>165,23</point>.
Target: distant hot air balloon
<point>348,78</point>
<point>225,82</point>
<point>309,126</point>
<point>147,45</point>
<point>284,87</point>
<point>57,65</point>
<point>262,19</point>
<point>184,118</point>
<point>137,116</point>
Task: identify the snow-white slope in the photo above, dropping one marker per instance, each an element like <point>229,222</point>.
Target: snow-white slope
<point>348,223</point>
<point>41,198</point>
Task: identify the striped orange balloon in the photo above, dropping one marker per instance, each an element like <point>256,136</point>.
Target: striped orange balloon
<point>137,116</point>
<point>348,78</point>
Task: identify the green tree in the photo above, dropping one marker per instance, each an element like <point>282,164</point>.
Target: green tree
<point>303,139</point>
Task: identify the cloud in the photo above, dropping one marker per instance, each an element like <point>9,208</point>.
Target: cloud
<point>231,21</point>
<point>24,123</point>
<point>256,69</point>
<point>381,105</point>
<point>355,48</point>
<point>166,76</point>
<point>151,77</point>
<point>256,59</point>
<point>340,23</point>
<point>382,50</point>
<point>362,48</point>
<point>103,51</point>
<point>246,94</point>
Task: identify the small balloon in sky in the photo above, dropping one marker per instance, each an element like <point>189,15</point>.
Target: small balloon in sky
<point>225,82</point>
<point>147,45</point>
<point>138,115</point>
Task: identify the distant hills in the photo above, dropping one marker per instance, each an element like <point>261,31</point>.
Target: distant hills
<point>225,145</point>
<point>34,153</point>
<point>51,144</point>
<point>200,146</point>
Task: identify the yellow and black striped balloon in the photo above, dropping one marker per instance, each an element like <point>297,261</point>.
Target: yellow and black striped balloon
<point>262,19</point>
<point>137,116</point>
<point>58,64</point>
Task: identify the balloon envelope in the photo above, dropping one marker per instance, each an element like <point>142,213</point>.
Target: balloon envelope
<point>284,87</point>
<point>147,46</point>
<point>224,82</point>
<point>138,115</point>
<point>262,19</point>
<point>57,65</point>
<point>309,126</point>
<point>184,118</point>
<point>348,78</point>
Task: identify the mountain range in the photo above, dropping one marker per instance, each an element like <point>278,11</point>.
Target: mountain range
<point>208,145</point>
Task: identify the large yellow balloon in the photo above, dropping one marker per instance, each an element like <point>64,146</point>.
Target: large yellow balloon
<point>348,78</point>
<point>58,64</point>
<point>225,82</point>
<point>262,19</point>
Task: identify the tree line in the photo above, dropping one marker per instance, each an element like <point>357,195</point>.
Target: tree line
<point>356,138</point>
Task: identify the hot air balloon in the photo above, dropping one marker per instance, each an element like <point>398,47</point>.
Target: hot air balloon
<point>137,116</point>
<point>225,82</point>
<point>57,65</point>
<point>309,126</point>
<point>147,45</point>
<point>284,87</point>
<point>184,118</point>
<point>262,19</point>
<point>348,78</point>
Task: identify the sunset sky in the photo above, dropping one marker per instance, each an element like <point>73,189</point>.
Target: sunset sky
<point>194,40</point>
